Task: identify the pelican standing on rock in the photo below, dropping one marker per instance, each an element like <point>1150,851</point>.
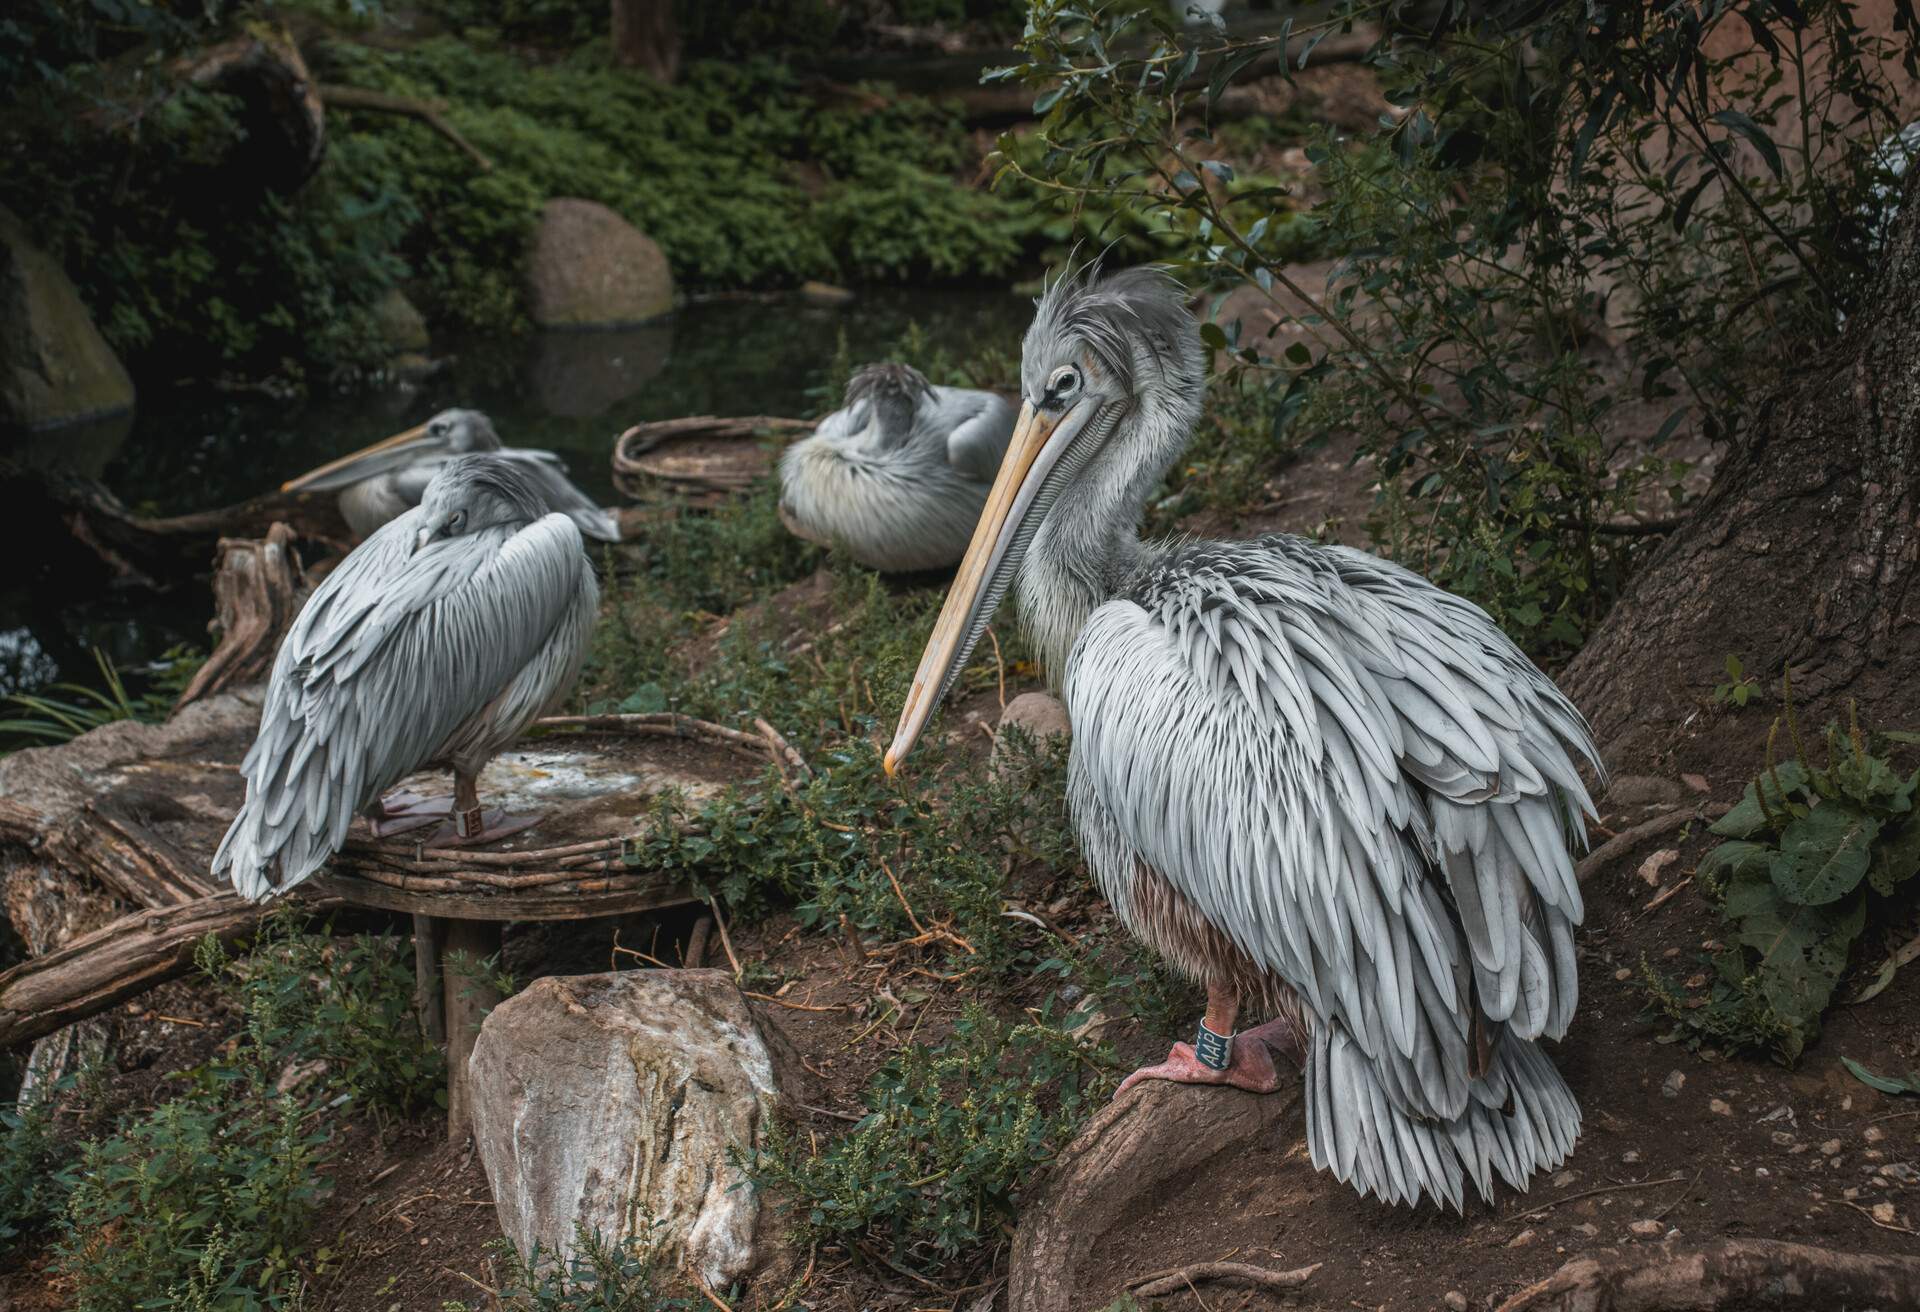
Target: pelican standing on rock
<point>388,478</point>
<point>437,641</point>
<point>898,473</point>
<point>1310,778</point>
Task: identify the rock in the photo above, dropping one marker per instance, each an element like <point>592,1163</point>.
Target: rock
<point>589,268</point>
<point>55,367</point>
<point>606,1100</point>
<point>1647,1229</point>
<point>1873,1134</point>
<point>401,327</point>
<point>824,293</point>
<point>1645,790</point>
<point>1039,715</point>
<point>1630,1157</point>
<point>1671,1086</point>
<point>1521,1240</point>
<point>1565,1179</point>
<point>1830,1147</point>
<point>1719,1107</point>
<point>1455,1301</point>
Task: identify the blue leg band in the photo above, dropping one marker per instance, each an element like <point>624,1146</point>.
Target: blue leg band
<point>1215,1051</point>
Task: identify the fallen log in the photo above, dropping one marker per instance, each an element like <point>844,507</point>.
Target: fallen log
<point>118,960</point>
<point>258,588</point>
<point>1139,1145</point>
<point>1745,1274</point>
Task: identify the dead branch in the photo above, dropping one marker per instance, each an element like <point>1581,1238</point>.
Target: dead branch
<point>1175,1279</point>
<point>258,588</point>
<point>1747,1274</point>
<point>132,954</point>
<point>430,112</point>
<point>1625,841</point>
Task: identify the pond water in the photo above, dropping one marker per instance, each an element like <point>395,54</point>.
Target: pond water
<point>571,393</point>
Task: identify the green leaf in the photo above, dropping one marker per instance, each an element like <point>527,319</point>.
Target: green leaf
<point>1747,818</point>
<point>1734,859</point>
<point>1896,858</point>
<point>1911,1084</point>
<point>1802,952</point>
<point>1823,855</point>
<point>1754,133</point>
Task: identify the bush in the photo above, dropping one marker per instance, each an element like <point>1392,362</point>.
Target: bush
<point>33,1178</point>
<point>596,1277</point>
<point>933,1172</point>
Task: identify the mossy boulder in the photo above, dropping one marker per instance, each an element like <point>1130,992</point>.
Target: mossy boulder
<point>589,268</point>
<point>55,367</point>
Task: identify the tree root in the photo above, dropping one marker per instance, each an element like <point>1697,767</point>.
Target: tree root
<point>1175,1279</point>
<point>1625,841</point>
<point>1744,1274</point>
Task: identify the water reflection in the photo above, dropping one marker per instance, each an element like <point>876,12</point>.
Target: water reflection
<point>566,392</point>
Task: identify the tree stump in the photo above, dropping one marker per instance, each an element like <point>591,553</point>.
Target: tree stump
<point>1744,1274</point>
<point>1137,1146</point>
<point>258,588</point>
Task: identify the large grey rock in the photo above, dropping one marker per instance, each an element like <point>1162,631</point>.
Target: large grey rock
<point>55,367</point>
<point>610,1099</point>
<point>1040,715</point>
<point>590,268</point>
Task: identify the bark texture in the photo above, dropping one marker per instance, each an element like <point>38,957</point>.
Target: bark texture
<point>1751,1275</point>
<point>1801,556</point>
<point>258,587</point>
<point>646,37</point>
<point>1135,1149</point>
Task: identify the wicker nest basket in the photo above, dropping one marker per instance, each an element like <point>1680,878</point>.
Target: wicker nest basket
<point>702,459</point>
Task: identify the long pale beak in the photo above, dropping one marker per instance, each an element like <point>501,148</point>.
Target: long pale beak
<point>388,453</point>
<point>986,569</point>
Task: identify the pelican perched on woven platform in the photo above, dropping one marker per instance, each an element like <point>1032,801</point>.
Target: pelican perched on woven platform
<point>388,478</point>
<point>898,474</point>
<point>437,641</point>
<point>1310,778</point>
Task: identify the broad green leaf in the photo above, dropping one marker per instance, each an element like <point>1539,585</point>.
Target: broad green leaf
<point>1747,818</point>
<point>1731,859</point>
<point>1802,951</point>
<point>1896,858</point>
<point>1886,1084</point>
<point>1823,855</point>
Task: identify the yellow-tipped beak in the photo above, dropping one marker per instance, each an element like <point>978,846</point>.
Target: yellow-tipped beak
<point>395,442</point>
<point>990,538</point>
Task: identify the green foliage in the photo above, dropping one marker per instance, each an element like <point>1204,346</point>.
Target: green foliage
<point>347,1002</point>
<point>597,1276</point>
<point>1884,1083</point>
<point>933,1171</point>
<point>1815,855</point>
<point>33,1181</point>
<point>1739,688</point>
<point>64,711</point>
<point>1563,180</point>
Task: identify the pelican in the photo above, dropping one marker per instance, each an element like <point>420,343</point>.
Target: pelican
<point>1310,778</point>
<point>437,641</point>
<point>381,481</point>
<point>898,473</point>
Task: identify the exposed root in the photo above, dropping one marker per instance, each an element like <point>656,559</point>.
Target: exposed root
<point>1732,1274</point>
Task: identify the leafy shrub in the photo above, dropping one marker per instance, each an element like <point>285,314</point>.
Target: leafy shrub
<point>596,1277</point>
<point>33,1184</point>
<point>347,1002</point>
<point>1815,855</point>
<point>206,1197</point>
<point>933,1171</point>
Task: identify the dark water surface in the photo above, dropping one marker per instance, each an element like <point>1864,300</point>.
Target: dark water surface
<point>571,393</point>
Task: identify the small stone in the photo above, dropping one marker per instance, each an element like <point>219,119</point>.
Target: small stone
<point>1697,782</point>
<point>1762,1173</point>
<point>1521,1240</point>
<point>1565,1178</point>
<point>1903,1172</point>
<point>1883,1213</point>
<point>1630,1158</point>
<point>1796,1150</point>
<point>1650,868</point>
<point>1849,1194</point>
<point>1623,974</point>
<point>1455,1300</point>
<point>1874,1155</point>
<point>1671,1086</point>
<point>1646,1229</point>
<point>1781,1138</point>
<point>1874,1134</point>
<point>1830,1147</point>
<point>1671,953</point>
<point>1719,1107</point>
<point>1587,1228</point>
<point>1696,981</point>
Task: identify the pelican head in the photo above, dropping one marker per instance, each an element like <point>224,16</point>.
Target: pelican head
<point>449,433</point>
<point>476,492</point>
<point>1111,379</point>
<point>894,392</point>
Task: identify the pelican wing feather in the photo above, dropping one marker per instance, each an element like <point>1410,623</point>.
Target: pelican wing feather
<point>549,473</point>
<point>397,648</point>
<point>978,426</point>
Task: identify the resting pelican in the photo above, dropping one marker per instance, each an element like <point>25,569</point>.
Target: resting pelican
<point>898,473</point>
<point>379,482</point>
<point>437,641</point>
<point>1310,778</point>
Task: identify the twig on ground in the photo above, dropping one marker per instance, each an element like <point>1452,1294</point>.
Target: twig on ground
<point>999,665</point>
<point>1628,839</point>
<point>720,923</point>
<point>1884,1225</point>
<point>1173,1279</point>
<point>1661,898</point>
<point>1552,1203</point>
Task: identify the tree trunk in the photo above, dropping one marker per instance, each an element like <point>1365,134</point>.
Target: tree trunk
<point>1801,557</point>
<point>644,37</point>
<point>258,589</point>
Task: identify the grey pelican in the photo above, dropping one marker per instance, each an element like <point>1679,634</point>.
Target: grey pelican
<point>381,481</point>
<point>436,641</point>
<point>1310,778</point>
<point>898,473</point>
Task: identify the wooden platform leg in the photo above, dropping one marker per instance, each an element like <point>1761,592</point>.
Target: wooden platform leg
<point>429,997</point>
<point>469,996</point>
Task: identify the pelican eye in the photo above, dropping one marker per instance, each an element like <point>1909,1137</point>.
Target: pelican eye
<point>456,522</point>
<point>438,427</point>
<point>1064,383</point>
